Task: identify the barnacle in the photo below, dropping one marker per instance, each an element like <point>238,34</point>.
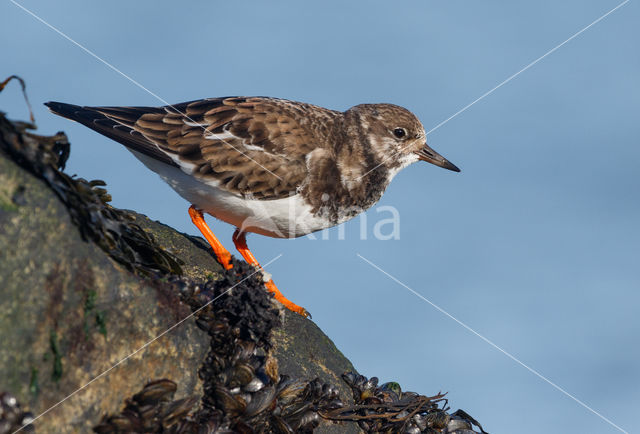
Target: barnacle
<point>12,417</point>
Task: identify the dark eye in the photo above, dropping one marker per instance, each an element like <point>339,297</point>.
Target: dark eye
<point>399,132</point>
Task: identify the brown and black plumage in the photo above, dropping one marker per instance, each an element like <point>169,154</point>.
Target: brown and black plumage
<point>271,166</point>
<point>266,148</point>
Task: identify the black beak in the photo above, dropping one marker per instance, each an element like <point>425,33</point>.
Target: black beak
<point>429,155</point>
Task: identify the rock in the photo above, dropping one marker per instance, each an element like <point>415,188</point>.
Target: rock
<point>71,313</point>
<point>110,320</point>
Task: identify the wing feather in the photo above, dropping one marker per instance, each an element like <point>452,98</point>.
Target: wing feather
<point>248,146</point>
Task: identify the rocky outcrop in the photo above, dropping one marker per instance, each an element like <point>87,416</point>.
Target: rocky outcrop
<point>110,321</point>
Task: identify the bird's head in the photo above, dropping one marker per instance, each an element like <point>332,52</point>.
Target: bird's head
<point>395,135</point>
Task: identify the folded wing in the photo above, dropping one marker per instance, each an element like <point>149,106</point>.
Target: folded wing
<point>246,146</point>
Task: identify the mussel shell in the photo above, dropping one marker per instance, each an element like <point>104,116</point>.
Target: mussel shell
<point>438,420</point>
<point>177,410</point>
<point>420,420</point>
<point>203,324</point>
<point>231,404</point>
<point>289,389</point>
<point>392,386</point>
<point>148,411</point>
<point>261,400</point>
<point>156,391</point>
<point>123,423</point>
<point>242,374</point>
<point>8,400</point>
<point>254,385</point>
<point>209,427</point>
<point>372,383</point>
<point>456,423</point>
<point>308,421</point>
<point>281,426</point>
<point>412,429</point>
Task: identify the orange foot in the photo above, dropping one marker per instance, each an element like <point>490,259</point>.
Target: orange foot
<point>241,244</point>
<point>222,255</point>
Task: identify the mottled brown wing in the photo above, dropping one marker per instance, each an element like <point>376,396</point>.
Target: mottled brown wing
<point>89,117</point>
<point>250,146</point>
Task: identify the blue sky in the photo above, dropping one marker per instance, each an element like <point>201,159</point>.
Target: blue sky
<point>535,245</point>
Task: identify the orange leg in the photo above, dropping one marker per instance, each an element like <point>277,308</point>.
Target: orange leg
<point>222,254</point>
<point>241,244</point>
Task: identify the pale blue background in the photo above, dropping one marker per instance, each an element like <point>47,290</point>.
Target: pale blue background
<point>535,245</point>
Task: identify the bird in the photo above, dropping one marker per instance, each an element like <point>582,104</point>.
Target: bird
<point>269,166</point>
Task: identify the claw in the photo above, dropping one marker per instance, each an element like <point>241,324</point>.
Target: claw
<point>240,241</point>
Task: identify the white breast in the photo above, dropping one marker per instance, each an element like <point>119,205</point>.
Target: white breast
<point>279,218</point>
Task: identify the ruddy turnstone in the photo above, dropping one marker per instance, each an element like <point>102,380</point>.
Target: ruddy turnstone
<point>269,166</point>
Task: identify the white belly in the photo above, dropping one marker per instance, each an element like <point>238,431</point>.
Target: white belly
<point>279,218</point>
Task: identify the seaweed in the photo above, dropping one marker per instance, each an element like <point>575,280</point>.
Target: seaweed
<point>113,230</point>
<point>243,390</point>
<point>56,371</point>
<point>99,316</point>
<point>34,387</point>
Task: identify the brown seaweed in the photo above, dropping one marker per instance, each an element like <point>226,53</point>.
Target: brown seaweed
<point>87,201</point>
<point>243,392</point>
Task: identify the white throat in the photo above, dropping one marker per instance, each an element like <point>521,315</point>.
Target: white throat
<point>405,160</point>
